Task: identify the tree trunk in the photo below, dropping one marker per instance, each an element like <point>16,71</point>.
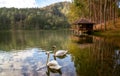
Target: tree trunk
<point>105,6</point>
<point>114,15</point>
<point>100,3</point>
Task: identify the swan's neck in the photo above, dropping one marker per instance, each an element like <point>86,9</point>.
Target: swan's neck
<point>54,50</point>
<point>47,58</point>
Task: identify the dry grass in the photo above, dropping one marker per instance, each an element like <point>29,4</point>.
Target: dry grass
<point>112,30</point>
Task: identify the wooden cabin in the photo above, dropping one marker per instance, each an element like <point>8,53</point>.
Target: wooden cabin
<point>83,26</point>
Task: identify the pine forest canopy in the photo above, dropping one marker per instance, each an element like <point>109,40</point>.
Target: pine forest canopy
<point>50,17</point>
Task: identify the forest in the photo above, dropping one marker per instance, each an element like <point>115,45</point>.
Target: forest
<point>60,15</point>
<point>49,17</point>
<point>98,11</point>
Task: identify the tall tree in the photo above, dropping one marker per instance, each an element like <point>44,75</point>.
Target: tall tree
<point>99,11</point>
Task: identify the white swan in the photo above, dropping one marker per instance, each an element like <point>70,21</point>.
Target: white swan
<point>59,52</point>
<point>52,64</point>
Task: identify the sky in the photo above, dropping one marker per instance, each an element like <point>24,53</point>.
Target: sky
<point>27,3</point>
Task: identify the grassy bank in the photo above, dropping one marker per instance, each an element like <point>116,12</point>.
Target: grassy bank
<point>112,29</point>
<point>108,33</point>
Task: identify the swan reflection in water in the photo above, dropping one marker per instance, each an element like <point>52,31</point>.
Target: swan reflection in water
<point>49,70</point>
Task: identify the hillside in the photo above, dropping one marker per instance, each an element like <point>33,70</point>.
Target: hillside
<point>49,17</point>
<point>58,8</point>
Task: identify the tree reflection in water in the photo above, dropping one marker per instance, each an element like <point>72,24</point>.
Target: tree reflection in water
<point>96,58</point>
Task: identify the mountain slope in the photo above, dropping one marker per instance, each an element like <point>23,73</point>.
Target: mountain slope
<point>50,17</point>
<point>58,8</point>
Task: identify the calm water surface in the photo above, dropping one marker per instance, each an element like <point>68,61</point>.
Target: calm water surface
<point>23,53</point>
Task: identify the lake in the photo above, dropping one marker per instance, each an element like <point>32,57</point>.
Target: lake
<point>23,53</point>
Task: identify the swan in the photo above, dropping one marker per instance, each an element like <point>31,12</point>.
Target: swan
<point>52,64</point>
<point>59,52</point>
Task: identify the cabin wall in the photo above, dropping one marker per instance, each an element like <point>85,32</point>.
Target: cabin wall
<point>86,27</point>
<point>83,28</point>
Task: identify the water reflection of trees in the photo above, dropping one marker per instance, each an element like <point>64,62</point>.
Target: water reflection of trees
<point>29,39</point>
<point>96,59</point>
<point>83,39</point>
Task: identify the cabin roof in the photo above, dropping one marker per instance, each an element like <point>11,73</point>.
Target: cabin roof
<point>83,21</point>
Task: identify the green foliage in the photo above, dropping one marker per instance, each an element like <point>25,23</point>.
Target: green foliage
<point>50,17</point>
<point>79,8</point>
<point>4,22</point>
